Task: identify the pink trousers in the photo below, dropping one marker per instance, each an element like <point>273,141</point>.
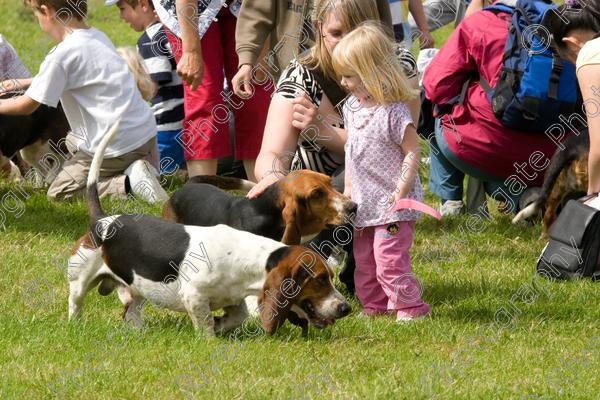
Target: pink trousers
<point>382,277</point>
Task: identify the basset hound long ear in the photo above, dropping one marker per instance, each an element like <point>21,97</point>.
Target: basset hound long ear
<point>291,218</point>
<point>273,307</point>
<point>285,277</point>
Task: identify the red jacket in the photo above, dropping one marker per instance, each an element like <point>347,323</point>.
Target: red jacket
<point>478,138</point>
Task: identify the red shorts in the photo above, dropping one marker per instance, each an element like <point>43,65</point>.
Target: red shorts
<point>205,134</point>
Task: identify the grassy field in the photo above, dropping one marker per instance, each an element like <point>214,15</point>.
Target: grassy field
<point>496,331</point>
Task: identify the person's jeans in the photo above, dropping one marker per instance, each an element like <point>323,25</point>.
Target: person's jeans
<point>448,171</point>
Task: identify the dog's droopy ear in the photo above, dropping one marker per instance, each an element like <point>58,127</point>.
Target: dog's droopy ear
<point>291,218</point>
<point>273,302</point>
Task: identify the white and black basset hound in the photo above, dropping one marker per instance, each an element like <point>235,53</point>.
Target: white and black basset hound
<point>198,269</point>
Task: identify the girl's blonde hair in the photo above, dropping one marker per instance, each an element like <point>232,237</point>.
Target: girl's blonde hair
<point>367,52</point>
<point>134,61</point>
<point>351,13</point>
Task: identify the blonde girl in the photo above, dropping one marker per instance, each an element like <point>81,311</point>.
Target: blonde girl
<point>382,154</point>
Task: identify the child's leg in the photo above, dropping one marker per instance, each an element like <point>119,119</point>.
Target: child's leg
<point>171,152</point>
<point>71,180</point>
<point>250,115</point>
<point>368,290</point>
<point>392,243</point>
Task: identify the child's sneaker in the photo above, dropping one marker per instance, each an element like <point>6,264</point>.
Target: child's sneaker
<point>452,207</point>
<point>412,314</point>
<point>143,182</point>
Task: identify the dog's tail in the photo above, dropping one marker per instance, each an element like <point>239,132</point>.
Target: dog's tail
<point>93,199</point>
<point>224,182</point>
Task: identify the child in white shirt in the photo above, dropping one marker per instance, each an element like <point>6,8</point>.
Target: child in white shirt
<point>96,90</point>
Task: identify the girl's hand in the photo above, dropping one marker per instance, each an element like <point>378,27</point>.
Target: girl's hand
<point>348,193</point>
<point>304,112</point>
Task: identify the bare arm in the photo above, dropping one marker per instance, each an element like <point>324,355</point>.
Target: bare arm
<point>410,165</point>
<point>414,105</point>
<point>347,183</point>
<point>21,105</point>
<point>474,6</point>
<point>589,76</point>
<point>416,9</point>
<point>279,143</point>
<point>191,64</point>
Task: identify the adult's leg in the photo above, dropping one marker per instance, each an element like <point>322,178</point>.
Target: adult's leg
<point>250,115</point>
<point>205,130</point>
<point>445,180</point>
<point>493,185</point>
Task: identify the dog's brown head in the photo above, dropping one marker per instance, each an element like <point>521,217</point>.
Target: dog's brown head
<point>298,280</point>
<point>310,204</point>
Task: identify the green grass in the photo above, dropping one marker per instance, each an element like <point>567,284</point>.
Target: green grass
<point>496,331</point>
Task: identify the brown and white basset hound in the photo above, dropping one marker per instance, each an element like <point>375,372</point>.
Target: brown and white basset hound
<point>299,205</point>
<point>198,269</point>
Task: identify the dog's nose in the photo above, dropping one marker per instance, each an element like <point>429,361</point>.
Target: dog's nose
<point>344,309</point>
<point>351,207</point>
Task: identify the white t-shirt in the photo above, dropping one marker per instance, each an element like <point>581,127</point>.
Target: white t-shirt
<point>96,89</point>
<point>589,53</point>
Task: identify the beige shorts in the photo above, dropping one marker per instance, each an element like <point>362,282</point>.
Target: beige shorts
<point>71,180</point>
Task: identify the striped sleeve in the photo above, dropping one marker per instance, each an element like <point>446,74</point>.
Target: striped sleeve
<point>155,52</point>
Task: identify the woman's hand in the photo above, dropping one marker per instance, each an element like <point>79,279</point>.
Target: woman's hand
<point>262,185</point>
<point>304,112</point>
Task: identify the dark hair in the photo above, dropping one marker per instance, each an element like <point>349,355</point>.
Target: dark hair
<point>64,8</point>
<point>573,15</point>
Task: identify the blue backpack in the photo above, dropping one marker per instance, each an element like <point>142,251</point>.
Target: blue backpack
<point>535,85</point>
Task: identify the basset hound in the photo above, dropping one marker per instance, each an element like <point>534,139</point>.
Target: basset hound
<point>291,210</point>
<point>197,269</point>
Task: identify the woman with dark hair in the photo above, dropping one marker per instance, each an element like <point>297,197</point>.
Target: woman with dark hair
<point>575,29</point>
